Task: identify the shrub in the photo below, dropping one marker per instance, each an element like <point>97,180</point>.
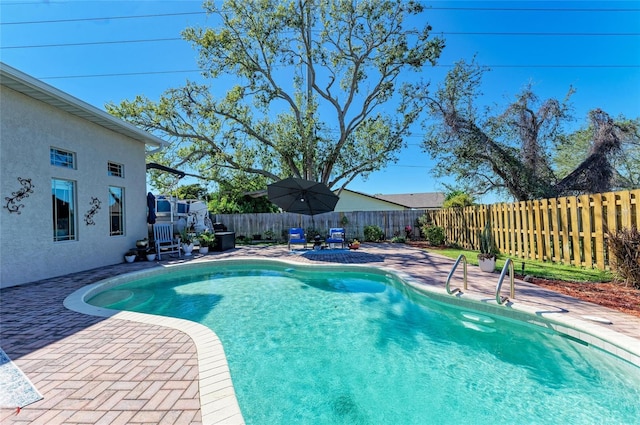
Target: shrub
<point>434,234</point>
<point>407,231</point>
<point>625,253</point>
<point>398,239</point>
<point>373,233</point>
<point>423,221</point>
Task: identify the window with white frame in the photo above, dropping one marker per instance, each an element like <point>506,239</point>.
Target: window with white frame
<point>115,170</point>
<point>63,195</point>
<point>62,158</point>
<point>116,211</point>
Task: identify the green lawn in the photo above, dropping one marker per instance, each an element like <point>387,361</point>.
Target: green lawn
<point>553,271</point>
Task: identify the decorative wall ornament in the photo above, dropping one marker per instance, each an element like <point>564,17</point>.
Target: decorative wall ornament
<point>95,206</point>
<point>13,201</point>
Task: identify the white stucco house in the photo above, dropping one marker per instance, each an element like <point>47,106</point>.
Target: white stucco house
<point>72,182</point>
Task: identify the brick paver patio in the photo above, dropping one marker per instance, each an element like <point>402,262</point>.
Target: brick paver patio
<point>106,370</point>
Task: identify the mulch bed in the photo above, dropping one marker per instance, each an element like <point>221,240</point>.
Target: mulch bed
<point>608,294</point>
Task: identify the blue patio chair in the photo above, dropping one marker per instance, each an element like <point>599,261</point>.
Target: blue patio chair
<point>296,236</point>
<point>336,236</point>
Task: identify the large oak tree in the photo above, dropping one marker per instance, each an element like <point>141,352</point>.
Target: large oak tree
<point>323,90</point>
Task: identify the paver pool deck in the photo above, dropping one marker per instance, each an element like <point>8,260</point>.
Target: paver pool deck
<point>118,370</point>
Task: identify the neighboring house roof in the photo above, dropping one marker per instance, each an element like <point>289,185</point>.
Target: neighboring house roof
<point>34,88</point>
<point>355,201</point>
<point>372,197</point>
<point>418,201</point>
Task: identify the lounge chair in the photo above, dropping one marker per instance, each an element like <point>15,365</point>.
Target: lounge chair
<point>296,236</point>
<point>336,236</point>
<point>164,239</point>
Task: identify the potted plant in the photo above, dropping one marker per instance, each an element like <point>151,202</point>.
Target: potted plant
<point>207,242</point>
<point>487,256</point>
<point>355,244</point>
<point>212,242</point>
<point>187,243</point>
<point>204,248</point>
<point>269,234</point>
<point>151,254</point>
<point>130,256</point>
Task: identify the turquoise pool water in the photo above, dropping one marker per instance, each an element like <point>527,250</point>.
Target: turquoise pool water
<point>334,345</point>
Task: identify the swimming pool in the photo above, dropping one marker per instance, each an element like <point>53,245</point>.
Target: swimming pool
<point>333,345</point>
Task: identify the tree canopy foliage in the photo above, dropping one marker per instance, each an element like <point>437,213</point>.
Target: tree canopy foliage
<point>457,199</point>
<point>229,199</point>
<point>241,195</point>
<point>512,151</point>
<point>312,89</point>
<point>576,147</point>
<point>191,191</point>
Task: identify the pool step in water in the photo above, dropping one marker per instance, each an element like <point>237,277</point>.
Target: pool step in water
<point>477,322</point>
<point>477,327</point>
<point>478,318</point>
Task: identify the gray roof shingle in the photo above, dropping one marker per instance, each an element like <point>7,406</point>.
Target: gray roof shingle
<point>425,200</point>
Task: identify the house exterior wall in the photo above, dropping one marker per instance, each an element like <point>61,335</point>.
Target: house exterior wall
<point>353,201</point>
<point>28,129</point>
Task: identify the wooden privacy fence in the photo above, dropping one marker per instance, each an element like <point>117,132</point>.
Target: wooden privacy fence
<point>569,230</point>
<point>391,222</point>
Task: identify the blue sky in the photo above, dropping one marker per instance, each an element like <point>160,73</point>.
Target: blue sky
<point>108,51</point>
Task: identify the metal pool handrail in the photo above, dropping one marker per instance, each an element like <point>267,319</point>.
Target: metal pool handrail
<point>507,265</point>
<point>462,258</point>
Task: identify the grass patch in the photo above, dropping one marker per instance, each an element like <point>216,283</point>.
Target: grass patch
<point>553,271</point>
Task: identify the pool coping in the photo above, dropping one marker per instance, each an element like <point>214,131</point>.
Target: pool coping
<point>219,404</point>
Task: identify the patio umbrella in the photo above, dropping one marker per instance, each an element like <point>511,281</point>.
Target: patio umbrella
<point>151,205</point>
<point>302,196</point>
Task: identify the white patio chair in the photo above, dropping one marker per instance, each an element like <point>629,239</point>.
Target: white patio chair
<point>164,239</point>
